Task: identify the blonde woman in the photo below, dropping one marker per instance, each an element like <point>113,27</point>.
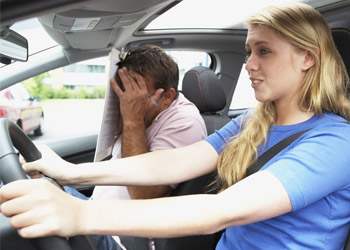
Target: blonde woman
<point>299,200</point>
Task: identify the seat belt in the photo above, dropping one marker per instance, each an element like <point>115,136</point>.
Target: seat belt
<point>271,152</point>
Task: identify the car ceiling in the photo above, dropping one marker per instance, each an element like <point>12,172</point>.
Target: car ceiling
<point>97,26</point>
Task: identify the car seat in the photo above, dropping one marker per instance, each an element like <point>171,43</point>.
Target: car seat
<point>201,86</point>
<point>341,39</point>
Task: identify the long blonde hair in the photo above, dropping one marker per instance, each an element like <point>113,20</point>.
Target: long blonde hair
<point>324,87</point>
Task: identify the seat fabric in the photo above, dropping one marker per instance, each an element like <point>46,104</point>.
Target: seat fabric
<point>341,39</point>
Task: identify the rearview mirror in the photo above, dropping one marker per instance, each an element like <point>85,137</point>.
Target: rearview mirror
<point>13,46</point>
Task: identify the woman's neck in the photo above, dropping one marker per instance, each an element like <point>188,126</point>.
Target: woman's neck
<point>292,116</point>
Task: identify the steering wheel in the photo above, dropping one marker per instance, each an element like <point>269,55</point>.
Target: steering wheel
<point>10,170</point>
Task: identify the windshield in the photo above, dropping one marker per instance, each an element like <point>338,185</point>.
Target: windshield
<point>33,31</point>
<point>38,39</point>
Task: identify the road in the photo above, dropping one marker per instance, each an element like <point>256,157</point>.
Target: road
<point>71,116</point>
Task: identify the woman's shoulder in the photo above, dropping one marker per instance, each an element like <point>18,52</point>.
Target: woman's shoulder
<point>331,120</point>
<point>329,126</point>
<point>332,117</point>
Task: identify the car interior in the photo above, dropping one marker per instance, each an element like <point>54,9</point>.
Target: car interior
<point>87,29</point>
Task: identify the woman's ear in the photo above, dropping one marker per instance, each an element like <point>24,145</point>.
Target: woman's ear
<point>309,60</point>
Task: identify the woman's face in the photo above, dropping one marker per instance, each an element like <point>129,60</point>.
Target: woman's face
<point>276,68</point>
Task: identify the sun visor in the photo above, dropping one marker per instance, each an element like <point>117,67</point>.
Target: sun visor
<point>96,39</point>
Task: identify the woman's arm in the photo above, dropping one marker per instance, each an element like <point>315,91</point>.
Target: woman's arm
<point>38,209</point>
<point>258,197</point>
<point>155,168</point>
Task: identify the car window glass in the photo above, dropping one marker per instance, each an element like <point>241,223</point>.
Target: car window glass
<point>32,30</point>
<point>72,97</point>
<point>243,96</point>
<point>189,59</point>
<point>18,92</point>
<point>37,37</point>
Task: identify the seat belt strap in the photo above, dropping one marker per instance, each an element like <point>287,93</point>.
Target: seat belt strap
<point>271,152</point>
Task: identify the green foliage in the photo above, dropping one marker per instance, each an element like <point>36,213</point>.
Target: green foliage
<point>62,93</point>
<point>84,94</point>
<point>37,88</point>
<point>99,92</point>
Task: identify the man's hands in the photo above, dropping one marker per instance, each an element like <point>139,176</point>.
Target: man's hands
<point>50,165</point>
<point>37,208</point>
<point>135,100</point>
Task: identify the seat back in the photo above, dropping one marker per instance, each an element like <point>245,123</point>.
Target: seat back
<point>347,243</point>
<point>202,87</point>
<point>341,39</point>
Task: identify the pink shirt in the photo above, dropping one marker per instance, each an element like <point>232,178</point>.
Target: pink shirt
<point>179,125</point>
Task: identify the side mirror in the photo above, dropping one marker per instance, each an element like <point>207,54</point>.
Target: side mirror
<point>13,46</point>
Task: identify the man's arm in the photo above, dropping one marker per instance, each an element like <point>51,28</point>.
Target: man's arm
<point>134,142</point>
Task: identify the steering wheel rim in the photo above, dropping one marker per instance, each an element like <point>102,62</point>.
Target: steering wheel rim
<point>13,136</point>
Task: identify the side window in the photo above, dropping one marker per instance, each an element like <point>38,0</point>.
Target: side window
<point>72,97</point>
<point>189,59</point>
<point>243,96</point>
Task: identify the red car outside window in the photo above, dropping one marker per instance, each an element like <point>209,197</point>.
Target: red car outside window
<point>19,106</point>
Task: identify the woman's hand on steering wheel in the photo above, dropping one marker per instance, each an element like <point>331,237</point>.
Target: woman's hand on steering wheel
<point>37,208</point>
<point>50,164</point>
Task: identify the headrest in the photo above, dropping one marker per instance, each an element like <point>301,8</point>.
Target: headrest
<point>201,86</point>
<point>341,39</point>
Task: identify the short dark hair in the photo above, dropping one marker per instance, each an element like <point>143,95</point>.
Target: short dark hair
<point>153,63</point>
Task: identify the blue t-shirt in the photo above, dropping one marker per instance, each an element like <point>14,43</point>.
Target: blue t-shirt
<point>315,172</point>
